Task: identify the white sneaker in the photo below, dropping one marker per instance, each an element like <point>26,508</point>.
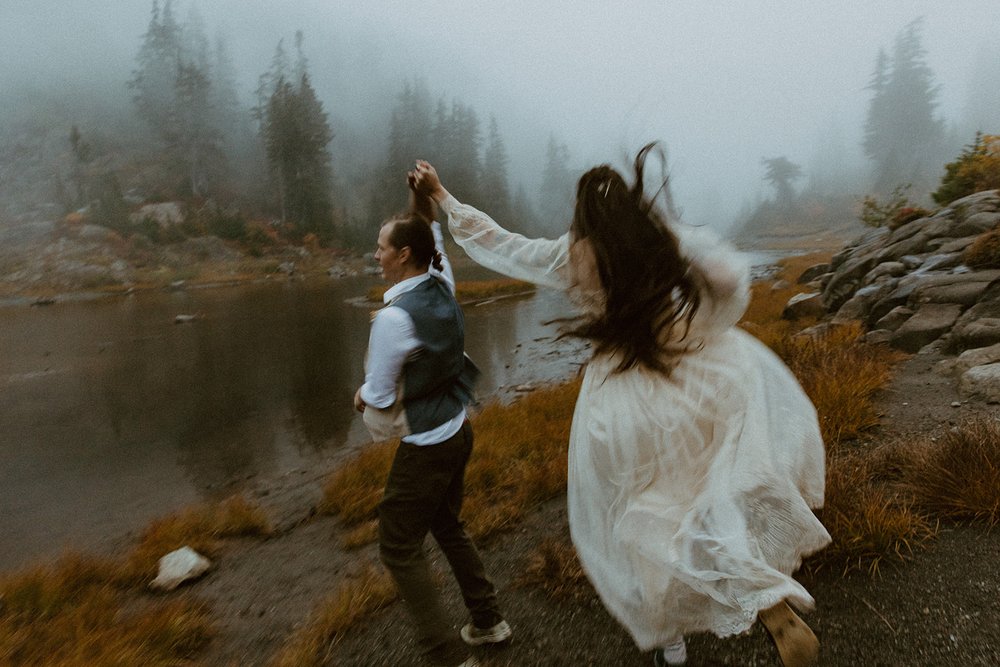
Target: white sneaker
<point>474,636</point>
<point>671,654</point>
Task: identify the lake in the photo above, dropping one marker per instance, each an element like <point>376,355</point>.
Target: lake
<point>111,414</point>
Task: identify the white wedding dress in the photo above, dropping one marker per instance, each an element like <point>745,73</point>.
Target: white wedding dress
<point>689,496</point>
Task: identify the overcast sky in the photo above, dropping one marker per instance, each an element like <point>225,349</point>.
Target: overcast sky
<point>723,84</point>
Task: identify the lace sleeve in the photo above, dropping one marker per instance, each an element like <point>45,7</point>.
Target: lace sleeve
<point>540,261</point>
<point>723,271</point>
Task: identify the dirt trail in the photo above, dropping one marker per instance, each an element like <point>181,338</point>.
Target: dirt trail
<point>942,608</point>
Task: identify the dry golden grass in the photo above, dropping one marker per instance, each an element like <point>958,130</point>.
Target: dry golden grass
<point>360,535</point>
<point>518,461</point>
<point>766,303</point>
<point>354,490</point>
<point>472,290</point>
<point>956,477</point>
<point>555,569</point>
<point>356,599</point>
<point>84,611</point>
<point>76,613</point>
<point>866,518</point>
<point>200,528</point>
<point>840,374</point>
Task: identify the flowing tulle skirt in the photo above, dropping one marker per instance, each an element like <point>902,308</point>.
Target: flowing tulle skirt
<point>689,495</point>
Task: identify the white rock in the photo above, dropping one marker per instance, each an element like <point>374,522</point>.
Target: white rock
<point>179,566</point>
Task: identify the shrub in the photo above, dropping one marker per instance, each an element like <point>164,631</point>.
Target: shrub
<point>976,169</point>
<point>875,213</point>
<point>984,252</point>
<point>906,215</point>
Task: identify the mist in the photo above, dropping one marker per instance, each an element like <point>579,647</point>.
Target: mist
<point>722,85</point>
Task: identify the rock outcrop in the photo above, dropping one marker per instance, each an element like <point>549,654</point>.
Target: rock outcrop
<point>910,288</point>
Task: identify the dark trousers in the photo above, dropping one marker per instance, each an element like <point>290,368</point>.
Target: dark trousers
<point>424,494</point>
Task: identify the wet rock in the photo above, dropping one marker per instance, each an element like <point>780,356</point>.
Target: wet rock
<point>179,566</point>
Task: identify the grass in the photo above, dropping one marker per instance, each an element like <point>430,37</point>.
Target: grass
<point>472,290</point>
<point>867,519</point>
<point>201,528</point>
<point>357,598</point>
<point>518,461</point>
<point>85,611</point>
<point>555,569</point>
<point>957,476</point>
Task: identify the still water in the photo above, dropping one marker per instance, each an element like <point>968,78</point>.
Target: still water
<point>111,414</point>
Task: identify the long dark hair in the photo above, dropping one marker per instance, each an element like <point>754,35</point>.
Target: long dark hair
<point>650,291</point>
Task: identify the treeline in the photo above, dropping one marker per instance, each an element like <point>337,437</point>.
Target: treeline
<point>905,141</point>
<point>235,165</point>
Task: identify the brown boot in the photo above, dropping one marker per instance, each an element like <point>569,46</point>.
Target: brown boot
<point>797,645</point>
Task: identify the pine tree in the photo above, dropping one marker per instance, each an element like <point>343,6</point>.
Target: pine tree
<point>781,173</point>
<point>556,190</point>
<point>296,137</point>
<point>495,188</point>
<point>903,136</point>
<point>152,82</point>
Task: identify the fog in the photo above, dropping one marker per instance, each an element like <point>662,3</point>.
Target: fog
<point>722,84</point>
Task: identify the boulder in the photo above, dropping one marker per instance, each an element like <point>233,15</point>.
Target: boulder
<point>164,214</point>
<point>878,337</point>
<point>987,201</point>
<point>780,284</point>
<point>977,333</point>
<point>925,326</point>
<point>808,304</point>
<point>846,279</point>
<point>812,273</point>
<point>179,566</point>
<point>957,245</point>
<point>979,356</point>
<point>894,318</point>
<point>941,261</point>
<point>859,305</point>
<point>893,269</point>
<point>982,382</point>
<point>963,288</point>
<point>909,246</point>
<point>977,224</point>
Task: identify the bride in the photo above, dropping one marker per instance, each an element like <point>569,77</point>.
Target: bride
<point>694,456</point>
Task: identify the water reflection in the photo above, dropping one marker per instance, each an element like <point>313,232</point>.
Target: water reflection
<point>111,414</point>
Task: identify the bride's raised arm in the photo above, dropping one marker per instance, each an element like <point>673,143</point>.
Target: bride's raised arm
<point>540,261</point>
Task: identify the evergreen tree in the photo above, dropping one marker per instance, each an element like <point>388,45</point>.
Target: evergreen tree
<point>495,189</point>
<point>556,191</point>
<point>191,135</point>
<point>781,173</point>
<point>296,137</point>
<point>903,136</point>
<point>152,82</point>
<point>82,155</point>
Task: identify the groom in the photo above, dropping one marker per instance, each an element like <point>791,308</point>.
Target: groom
<point>417,384</point>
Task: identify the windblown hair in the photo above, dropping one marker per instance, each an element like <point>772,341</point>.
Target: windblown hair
<point>412,231</point>
<point>651,293</point>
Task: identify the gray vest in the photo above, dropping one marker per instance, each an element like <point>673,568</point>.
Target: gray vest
<point>437,377</point>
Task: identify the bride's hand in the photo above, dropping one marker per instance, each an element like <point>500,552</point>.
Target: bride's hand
<point>426,181</point>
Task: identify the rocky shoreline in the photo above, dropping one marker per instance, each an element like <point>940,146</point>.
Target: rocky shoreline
<point>911,288</point>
